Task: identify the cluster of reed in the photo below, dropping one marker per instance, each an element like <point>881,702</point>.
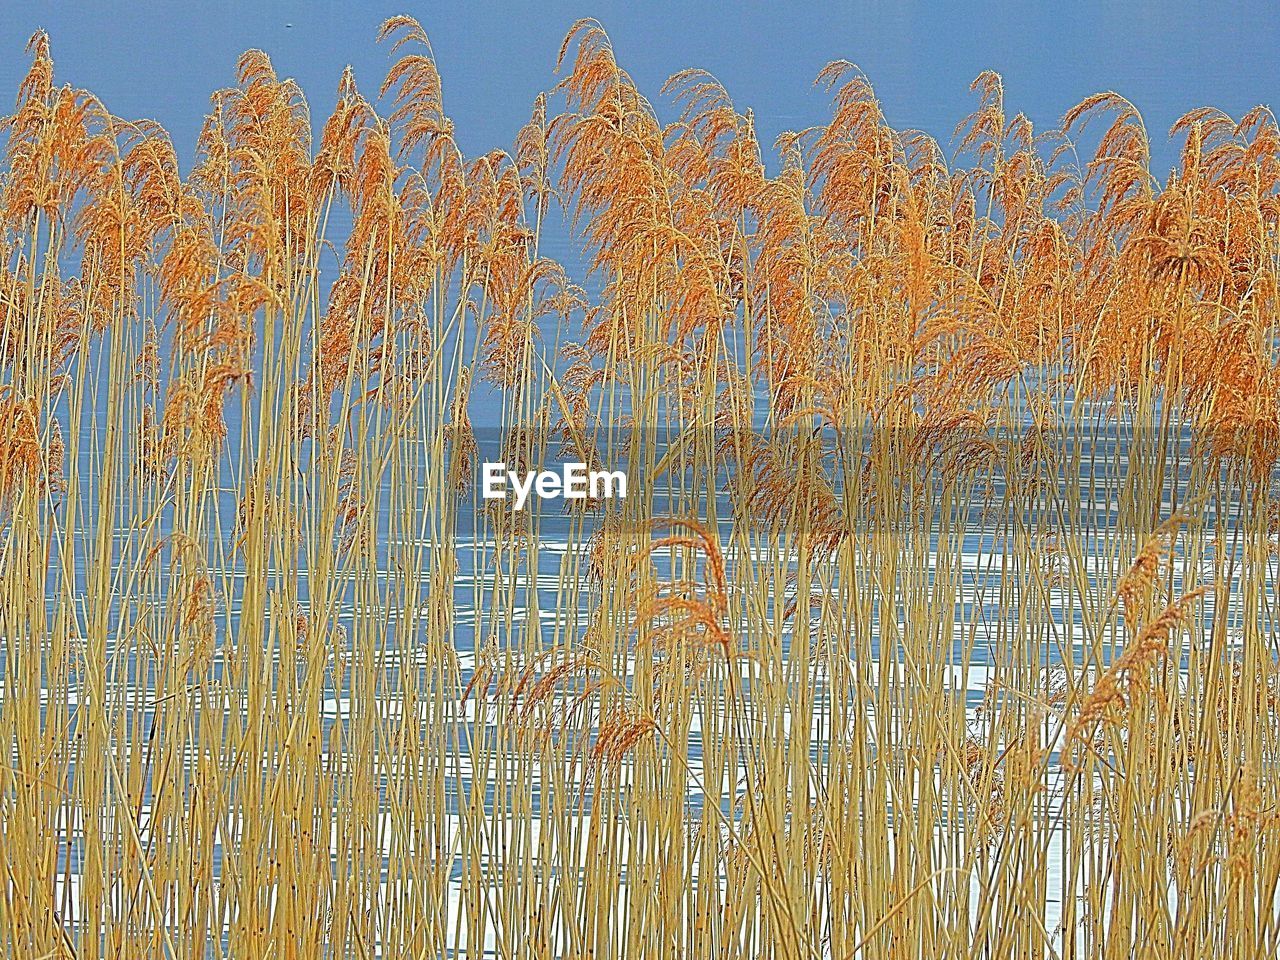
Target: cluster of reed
<point>940,619</point>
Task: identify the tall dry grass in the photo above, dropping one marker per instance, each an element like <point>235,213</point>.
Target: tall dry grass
<point>940,619</point>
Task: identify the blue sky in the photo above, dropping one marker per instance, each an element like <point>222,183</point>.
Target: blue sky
<point>161,59</point>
